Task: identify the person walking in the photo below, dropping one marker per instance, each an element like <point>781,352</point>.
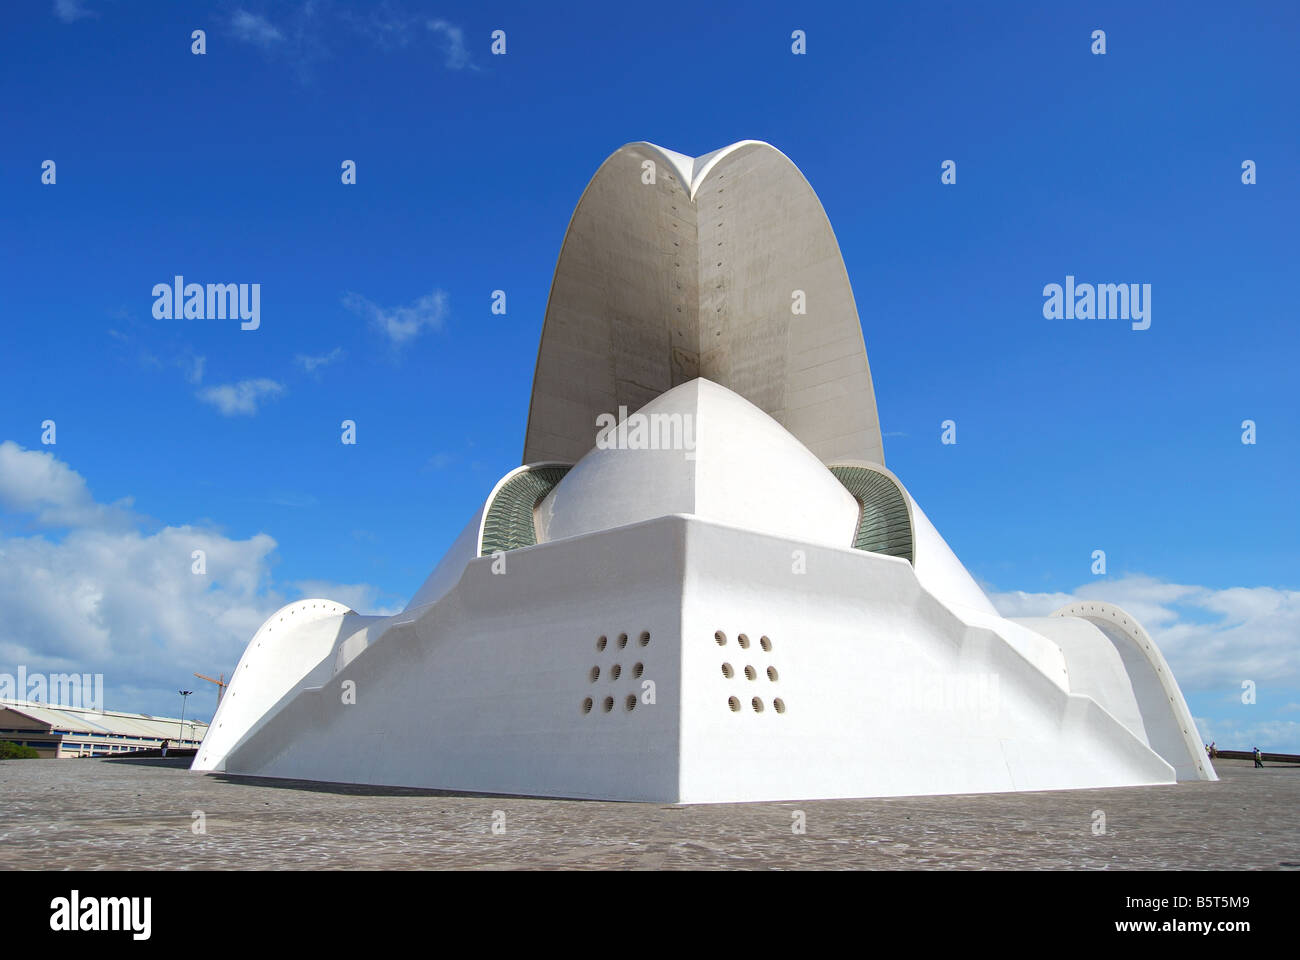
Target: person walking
<point>1258,758</point>
<point>165,744</point>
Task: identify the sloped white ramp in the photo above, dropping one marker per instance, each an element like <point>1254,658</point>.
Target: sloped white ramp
<point>1111,658</point>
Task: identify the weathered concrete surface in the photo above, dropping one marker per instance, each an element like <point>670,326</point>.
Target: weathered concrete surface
<point>697,275</point>
<point>105,814</point>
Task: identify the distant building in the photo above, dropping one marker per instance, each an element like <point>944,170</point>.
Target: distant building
<point>61,732</point>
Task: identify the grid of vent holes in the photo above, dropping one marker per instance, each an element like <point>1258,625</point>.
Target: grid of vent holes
<point>612,674</point>
<point>750,672</point>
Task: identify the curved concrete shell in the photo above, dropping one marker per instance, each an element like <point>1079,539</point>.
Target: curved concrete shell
<point>736,466</point>
<point>725,267</point>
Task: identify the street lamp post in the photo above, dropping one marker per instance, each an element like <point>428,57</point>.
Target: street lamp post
<point>180,730</point>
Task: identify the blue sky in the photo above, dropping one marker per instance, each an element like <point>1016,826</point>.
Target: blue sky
<point>1073,435</point>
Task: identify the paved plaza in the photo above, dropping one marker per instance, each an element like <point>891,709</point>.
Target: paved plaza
<point>140,814</point>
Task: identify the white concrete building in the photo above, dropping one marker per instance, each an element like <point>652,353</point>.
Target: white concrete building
<point>703,584</point>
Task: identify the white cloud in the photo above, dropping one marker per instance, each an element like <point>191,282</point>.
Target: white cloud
<point>115,602</point>
<point>71,10</point>
<point>37,484</point>
<point>457,54</point>
<point>298,501</point>
<point>384,26</point>
<point>192,365</point>
<point>402,324</point>
<point>312,364</point>
<point>125,601</point>
<point>298,38</point>
<point>1271,736</point>
<point>303,33</point>
<point>255,29</point>
<point>361,597</point>
<point>1212,638</point>
<point>242,398</point>
<point>1017,603</point>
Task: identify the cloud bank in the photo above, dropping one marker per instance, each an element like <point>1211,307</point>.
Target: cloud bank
<point>95,590</point>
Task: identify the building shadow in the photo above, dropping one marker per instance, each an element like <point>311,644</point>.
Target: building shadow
<point>367,790</point>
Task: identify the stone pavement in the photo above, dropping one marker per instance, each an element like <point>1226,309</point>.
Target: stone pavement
<point>137,814</point>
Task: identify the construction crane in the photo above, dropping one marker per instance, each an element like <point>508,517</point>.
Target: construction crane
<point>220,682</point>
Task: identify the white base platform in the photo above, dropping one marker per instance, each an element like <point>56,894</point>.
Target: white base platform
<point>886,690</point>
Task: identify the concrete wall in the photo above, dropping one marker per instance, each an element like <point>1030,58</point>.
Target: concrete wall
<point>887,691</point>
<point>484,691</point>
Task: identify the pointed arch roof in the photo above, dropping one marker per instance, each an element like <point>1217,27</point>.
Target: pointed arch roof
<point>695,275</point>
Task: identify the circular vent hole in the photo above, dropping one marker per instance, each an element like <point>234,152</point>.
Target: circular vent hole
<point>779,704</point>
<point>608,705</point>
<point>645,638</point>
<point>600,644</point>
<point>638,670</point>
<point>772,674</point>
<point>757,704</point>
<point>721,638</point>
<point>615,671</point>
<point>630,702</point>
<point>765,643</point>
<point>586,705</point>
<point>595,674</point>
<point>743,641</point>
<point>750,673</point>
<point>727,671</point>
<point>734,704</point>
<point>622,640</point>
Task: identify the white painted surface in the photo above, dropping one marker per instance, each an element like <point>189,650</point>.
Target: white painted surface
<point>887,691</point>
<point>938,568</point>
<point>296,644</point>
<point>1094,667</point>
<point>1035,647</point>
<point>744,470</point>
<point>936,565</point>
<point>1168,723</point>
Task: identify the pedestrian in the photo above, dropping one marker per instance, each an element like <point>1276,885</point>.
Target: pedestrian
<point>1258,758</point>
<point>164,747</point>
<point>1214,750</point>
